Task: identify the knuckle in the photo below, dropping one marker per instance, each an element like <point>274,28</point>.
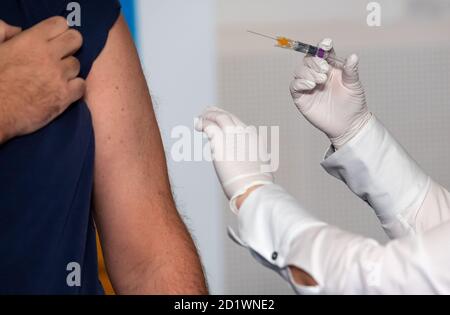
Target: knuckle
<point>76,63</point>
<point>63,96</point>
<point>76,91</point>
<point>295,85</point>
<point>83,87</point>
<point>75,36</point>
<point>292,85</point>
<point>58,21</point>
<point>222,117</point>
<point>53,111</point>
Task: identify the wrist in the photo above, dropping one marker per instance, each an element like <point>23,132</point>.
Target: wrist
<point>354,130</point>
<point>240,199</point>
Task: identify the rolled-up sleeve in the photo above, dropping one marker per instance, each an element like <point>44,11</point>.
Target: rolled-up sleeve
<point>280,233</point>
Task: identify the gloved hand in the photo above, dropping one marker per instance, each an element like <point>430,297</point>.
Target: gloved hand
<point>331,97</point>
<point>237,163</point>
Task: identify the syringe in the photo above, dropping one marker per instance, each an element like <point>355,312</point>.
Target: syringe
<point>311,50</point>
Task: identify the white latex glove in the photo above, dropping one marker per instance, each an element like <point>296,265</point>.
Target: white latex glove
<point>331,97</point>
<point>237,163</point>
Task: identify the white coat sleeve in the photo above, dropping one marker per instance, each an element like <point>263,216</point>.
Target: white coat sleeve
<point>380,171</point>
<point>280,233</point>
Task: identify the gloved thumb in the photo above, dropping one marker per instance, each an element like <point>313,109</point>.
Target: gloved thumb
<point>350,75</point>
<point>326,44</point>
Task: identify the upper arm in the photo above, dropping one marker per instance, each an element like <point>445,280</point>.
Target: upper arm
<point>126,132</point>
<point>134,209</point>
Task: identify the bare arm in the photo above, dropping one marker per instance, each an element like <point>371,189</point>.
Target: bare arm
<point>147,248</point>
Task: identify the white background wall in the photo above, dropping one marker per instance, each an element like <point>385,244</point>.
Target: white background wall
<point>178,53</point>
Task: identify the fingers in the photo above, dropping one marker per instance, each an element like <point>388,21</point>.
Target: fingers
<point>71,67</point>
<point>314,71</point>
<point>350,74</point>
<point>233,117</point>
<point>311,75</point>
<point>67,43</point>
<point>50,28</point>
<point>8,31</point>
<point>210,128</point>
<point>215,121</point>
<point>76,90</point>
<point>219,117</point>
<point>326,44</point>
<point>299,87</point>
<point>317,64</point>
<point>320,64</point>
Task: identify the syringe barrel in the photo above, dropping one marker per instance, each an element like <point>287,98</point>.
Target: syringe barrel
<point>310,50</point>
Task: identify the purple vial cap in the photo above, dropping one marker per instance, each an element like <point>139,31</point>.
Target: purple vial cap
<point>321,53</point>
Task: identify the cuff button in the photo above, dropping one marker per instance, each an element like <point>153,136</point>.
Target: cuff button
<point>274,256</point>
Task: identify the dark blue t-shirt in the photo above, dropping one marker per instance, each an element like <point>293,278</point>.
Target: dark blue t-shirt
<point>46,178</point>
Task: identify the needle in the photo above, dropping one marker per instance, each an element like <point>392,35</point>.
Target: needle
<point>259,34</point>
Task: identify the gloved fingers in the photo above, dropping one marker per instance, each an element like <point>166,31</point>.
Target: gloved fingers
<point>199,124</point>
<point>210,128</point>
<point>235,119</point>
<point>298,87</point>
<point>350,75</point>
<point>220,117</point>
<point>317,64</point>
<point>326,44</point>
<point>214,108</point>
<point>311,75</point>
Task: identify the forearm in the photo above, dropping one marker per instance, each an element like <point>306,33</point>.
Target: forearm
<point>380,171</point>
<point>166,264</point>
<point>339,262</point>
<point>148,249</point>
<point>176,272</point>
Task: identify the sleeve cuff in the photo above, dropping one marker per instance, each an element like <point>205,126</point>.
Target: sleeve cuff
<point>270,220</point>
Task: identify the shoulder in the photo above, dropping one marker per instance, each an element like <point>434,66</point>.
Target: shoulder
<point>94,20</point>
<point>92,17</point>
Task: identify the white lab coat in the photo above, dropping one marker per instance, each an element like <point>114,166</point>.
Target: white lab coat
<point>413,210</point>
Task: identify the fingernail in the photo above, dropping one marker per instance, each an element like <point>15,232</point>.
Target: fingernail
<point>310,84</point>
<point>327,43</point>
<point>323,65</point>
<point>322,77</point>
